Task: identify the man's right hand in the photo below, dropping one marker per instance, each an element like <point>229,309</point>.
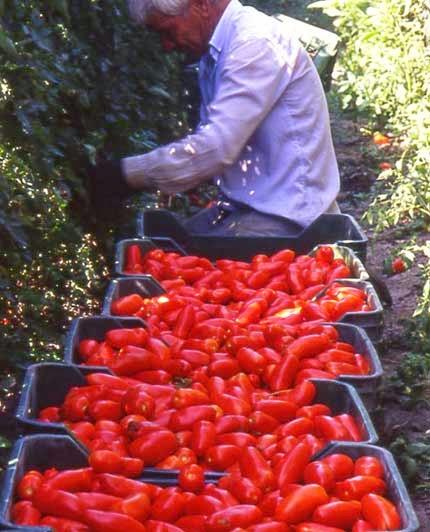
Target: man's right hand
<point>108,188</point>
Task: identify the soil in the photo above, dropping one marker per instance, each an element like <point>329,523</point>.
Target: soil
<point>358,174</point>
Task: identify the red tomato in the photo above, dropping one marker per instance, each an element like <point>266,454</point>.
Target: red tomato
<point>127,305</point>
<point>191,478</point>
<point>188,396</point>
<point>119,338</point>
<point>137,506</point>
<point>290,468</point>
<point>316,527</point>
<point>220,457</point>
<point>297,427</point>
<point>262,423</point>
<point>168,505</point>
<point>354,488</point>
<point>185,418</point>
<point>105,462</point>
<point>362,526</point>
<point>398,265</point>
<point>330,428</point>
<point>302,394</point>
<point>154,446</point>
<point>269,526</point>
<point>203,505</point>
<point>137,401</point>
<point>341,465</point>
<point>250,360</point>
<point>254,466</point>
<point>24,513</point>
<point>319,473</point>
<point>29,484</point>
<point>380,512</point>
<point>310,345</point>
<point>380,139</point>
<point>369,465</point>
<point>242,488</point>
<point>203,436</point>
<point>87,348</point>
<point>281,410</point>
<point>231,423</point>
<point>341,514</point>
<point>160,526</point>
<point>242,515</point>
<point>299,505</point>
<point>240,439</point>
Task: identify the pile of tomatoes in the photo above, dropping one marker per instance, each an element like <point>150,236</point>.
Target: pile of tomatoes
<point>332,494</point>
<point>279,287</point>
<point>130,424</point>
<point>217,381</point>
<point>277,355</point>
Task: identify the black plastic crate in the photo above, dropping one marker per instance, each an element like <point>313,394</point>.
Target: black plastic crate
<point>397,491</point>
<point>144,285</point>
<point>47,384</point>
<point>366,385</point>
<point>146,244</point>
<point>340,229</point>
<point>372,321</point>
<point>94,327</point>
<point>352,260</point>
<point>45,451</point>
<point>36,452</point>
<point>39,392</point>
<point>97,326</point>
<point>342,398</point>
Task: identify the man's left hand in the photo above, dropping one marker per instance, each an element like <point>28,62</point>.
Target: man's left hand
<point>108,188</point>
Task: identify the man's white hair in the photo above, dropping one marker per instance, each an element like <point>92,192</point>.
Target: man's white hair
<point>141,9</point>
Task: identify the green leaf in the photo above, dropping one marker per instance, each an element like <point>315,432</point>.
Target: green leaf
<point>7,46</point>
<point>61,7</point>
<point>5,443</point>
<point>91,152</point>
<point>418,449</point>
<point>320,4</point>
<point>159,91</point>
<point>42,39</point>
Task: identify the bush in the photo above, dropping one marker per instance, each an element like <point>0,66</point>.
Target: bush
<point>385,75</point>
<point>77,81</point>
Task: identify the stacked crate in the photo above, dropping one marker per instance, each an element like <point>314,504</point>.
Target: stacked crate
<point>45,385</point>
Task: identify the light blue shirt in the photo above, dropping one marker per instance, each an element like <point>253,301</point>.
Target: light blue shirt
<point>264,128</point>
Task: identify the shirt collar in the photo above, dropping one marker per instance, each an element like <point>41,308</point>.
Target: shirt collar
<point>221,30</point>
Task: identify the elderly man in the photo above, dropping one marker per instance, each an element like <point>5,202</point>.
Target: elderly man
<point>264,135</point>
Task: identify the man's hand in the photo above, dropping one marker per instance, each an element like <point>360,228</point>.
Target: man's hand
<point>108,188</point>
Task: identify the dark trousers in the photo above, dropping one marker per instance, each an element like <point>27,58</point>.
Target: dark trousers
<point>228,218</point>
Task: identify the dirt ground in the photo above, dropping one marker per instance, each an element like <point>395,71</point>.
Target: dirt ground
<point>358,173</point>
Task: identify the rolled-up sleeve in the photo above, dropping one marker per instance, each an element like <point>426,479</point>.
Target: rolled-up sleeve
<point>253,76</point>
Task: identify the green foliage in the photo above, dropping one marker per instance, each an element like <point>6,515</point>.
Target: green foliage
<point>385,74</point>
<point>413,458</point>
<point>77,81</point>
